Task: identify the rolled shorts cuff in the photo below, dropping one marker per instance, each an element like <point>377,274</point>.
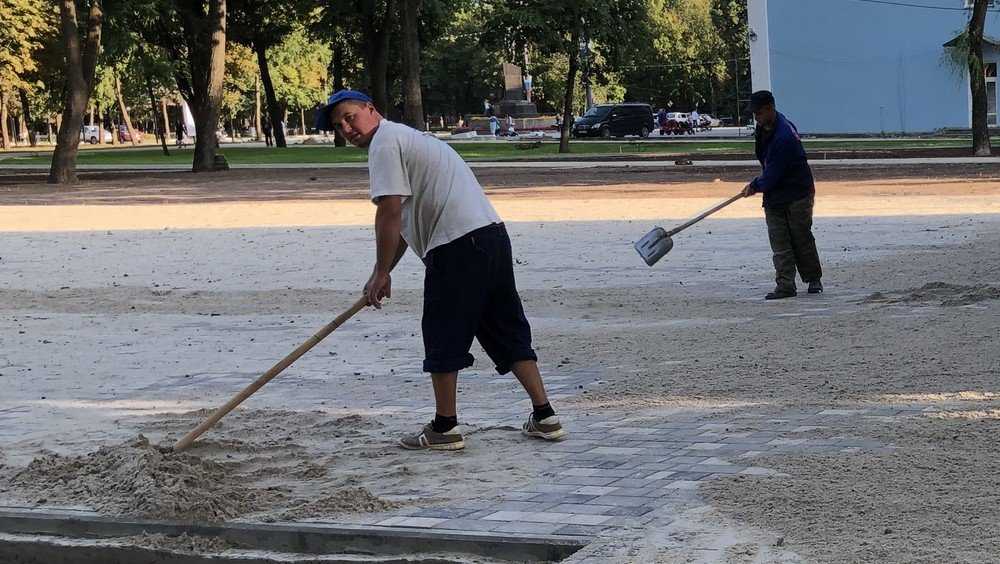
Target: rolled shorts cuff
<point>452,364</point>
<point>505,367</point>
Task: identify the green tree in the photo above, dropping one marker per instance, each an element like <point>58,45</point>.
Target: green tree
<point>261,25</point>
<point>81,62</point>
<point>240,88</point>
<point>560,26</point>
<point>368,25</point>
<point>730,19</point>
<point>24,27</point>
<point>301,71</point>
<point>192,35</point>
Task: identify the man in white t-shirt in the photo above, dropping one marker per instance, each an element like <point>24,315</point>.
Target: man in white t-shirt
<point>694,118</point>
<point>429,200</point>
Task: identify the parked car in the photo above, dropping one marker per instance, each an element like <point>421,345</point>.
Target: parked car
<point>710,121</point>
<point>615,120</point>
<point>92,134</point>
<point>123,135</point>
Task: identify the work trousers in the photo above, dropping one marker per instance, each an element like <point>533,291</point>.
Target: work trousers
<point>789,228</point>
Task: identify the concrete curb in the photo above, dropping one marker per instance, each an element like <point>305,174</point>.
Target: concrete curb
<point>305,538</point>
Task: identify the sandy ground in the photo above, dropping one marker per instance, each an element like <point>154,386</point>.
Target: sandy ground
<point>117,320</point>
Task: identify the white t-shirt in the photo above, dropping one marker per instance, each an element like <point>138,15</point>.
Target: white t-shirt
<point>442,200</point>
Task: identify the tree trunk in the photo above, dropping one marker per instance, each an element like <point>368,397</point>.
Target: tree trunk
<point>302,120</point>
<point>273,111</point>
<point>4,132</point>
<point>113,128</point>
<point>91,112</point>
<point>79,82</point>
<point>257,125</point>
<point>24,128</point>
<point>124,110</point>
<point>375,31</point>
<point>48,124</point>
<point>338,83</point>
<point>977,81</point>
<point>166,118</point>
<point>574,61</point>
<point>159,120</point>
<point>413,106</point>
<point>26,114</point>
<point>205,35</point>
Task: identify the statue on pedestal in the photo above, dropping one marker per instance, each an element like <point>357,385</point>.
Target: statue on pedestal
<point>515,103</point>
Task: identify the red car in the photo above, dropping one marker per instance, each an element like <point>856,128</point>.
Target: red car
<point>676,127</point>
<point>123,135</point>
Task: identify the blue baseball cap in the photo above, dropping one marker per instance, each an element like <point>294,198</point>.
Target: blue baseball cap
<point>323,114</point>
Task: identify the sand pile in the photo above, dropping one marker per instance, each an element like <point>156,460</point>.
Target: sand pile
<point>347,500</point>
<point>945,294</point>
<point>138,479</point>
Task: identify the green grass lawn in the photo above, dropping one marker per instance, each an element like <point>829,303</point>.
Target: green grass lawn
<point>472,151</point>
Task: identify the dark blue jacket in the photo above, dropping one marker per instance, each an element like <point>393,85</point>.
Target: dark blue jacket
<point>786,176</point>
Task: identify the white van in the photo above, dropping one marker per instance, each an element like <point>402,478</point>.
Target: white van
<point>91,133</point>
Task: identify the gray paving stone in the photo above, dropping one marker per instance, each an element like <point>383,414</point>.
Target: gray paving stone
<point>545,487</point>
<point>519,496</point>
<point>522,506</point>
<point>717,468</point>
<point>621,511</point>
<point>623,501</point>
<point>586,480</point>
<point>691,476</point>
<point>530,528</point>
<point>632,483</point>
<point>443,512</point>
<point>582,509</point>
<point>580,530</point>
<point>565,497</point>
<point>619,451</point>
<point>467,525</point>
<point>640,492</point>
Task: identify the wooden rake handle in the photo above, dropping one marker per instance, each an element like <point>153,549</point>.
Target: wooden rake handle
<point>269,375</point>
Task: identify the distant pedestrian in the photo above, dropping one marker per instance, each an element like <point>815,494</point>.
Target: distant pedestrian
<point>181,129</point>
<point>510,125</point>
<point>494,126</point>
<point>267,132</point>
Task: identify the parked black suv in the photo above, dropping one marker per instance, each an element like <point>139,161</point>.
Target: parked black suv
<point>615,120</point>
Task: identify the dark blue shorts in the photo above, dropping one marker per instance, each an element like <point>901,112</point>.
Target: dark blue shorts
<point>469,292</point>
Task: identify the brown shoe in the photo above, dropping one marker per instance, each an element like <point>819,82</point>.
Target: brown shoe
<point>429,439</point>
<point>549,428</point>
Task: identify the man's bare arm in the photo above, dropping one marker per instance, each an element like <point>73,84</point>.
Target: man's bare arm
<point>388,241</point>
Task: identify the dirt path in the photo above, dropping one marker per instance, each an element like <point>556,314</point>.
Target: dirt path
<point>111,326</point>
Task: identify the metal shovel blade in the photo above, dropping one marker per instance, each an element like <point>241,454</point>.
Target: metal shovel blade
<point>654,245</point>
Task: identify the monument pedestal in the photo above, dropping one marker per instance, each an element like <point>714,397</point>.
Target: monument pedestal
<point>516,108</point>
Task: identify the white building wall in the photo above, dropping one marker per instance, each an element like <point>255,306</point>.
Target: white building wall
<point>760,48</point>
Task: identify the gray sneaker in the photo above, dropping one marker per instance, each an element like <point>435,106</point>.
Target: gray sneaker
<point>549,428</point>
<point>429,439</point>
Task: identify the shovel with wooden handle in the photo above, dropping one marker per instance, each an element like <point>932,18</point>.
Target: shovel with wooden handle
<point>658,242</point>
<point>269,375</point>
